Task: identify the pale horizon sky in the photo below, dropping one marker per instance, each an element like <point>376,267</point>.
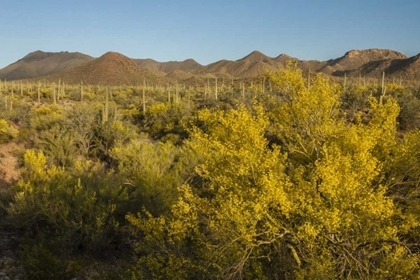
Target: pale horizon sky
<point>208,31</point>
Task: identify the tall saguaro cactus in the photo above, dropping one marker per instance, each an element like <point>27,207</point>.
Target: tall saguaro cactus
<point>54,93</point>
<point>63,87</point>
<point>309,78</point>
<point>144,97</point>
<point>105,110</point>
<point>345,83</point>
<point>383,87</point>
<point>263,86</point>
<point>39,92</point>
<point>216,93</point>
<point>81,91</point>
<point>176,92</point>
<point>58,89</point>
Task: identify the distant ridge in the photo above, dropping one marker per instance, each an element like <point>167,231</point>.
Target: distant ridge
<point>170,66</point>
<point>40,63</point>
<point>249,66</point>
<point>116,69</point>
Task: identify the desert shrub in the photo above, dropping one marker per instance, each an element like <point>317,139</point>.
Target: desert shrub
<point>166,118</point>
<point>355,101</point>
<point>79,205</point>
<point>7,132</point>
<point>110,133</point>
<point>45,117</point>
<point>59,144</point>
<point>39,262</point>
<point>131,112</point>
<point>155,170</point>
<point>81,121</point>
<point>409,117</point>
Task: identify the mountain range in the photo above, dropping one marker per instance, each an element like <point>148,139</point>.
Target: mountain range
<point>116,69</point>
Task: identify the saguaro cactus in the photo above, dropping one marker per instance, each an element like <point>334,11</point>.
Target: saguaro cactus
<point>216,93</point>
<point>63,87</point>
<point>54,94</point>
<point>263,85</point>
<point>176,92</point>
<point>144,97</point>
<point>345,82</point>
<point>81,91</point>
<point>58,89</point>
<point>105,109</point>
<point>39,92</point>
<point>383,87</point>
<point>309,78</point>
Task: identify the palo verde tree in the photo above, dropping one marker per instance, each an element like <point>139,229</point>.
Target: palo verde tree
<point>317,205</point>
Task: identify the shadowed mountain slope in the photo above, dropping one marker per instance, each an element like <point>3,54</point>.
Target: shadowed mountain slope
<point>408,68</point>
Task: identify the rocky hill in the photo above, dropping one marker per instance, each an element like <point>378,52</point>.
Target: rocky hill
<point>110,69</point>
<point>40,63</point>
<point>354,61</point>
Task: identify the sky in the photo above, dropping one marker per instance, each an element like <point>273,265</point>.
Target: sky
<point>207,30</point>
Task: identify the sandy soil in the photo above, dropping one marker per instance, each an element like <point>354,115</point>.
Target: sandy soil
<point>9,170</point>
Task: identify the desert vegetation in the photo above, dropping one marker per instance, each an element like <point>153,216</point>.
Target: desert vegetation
<point>289,176</point>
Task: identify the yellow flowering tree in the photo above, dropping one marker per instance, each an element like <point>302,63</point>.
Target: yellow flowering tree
<point>316,205</point>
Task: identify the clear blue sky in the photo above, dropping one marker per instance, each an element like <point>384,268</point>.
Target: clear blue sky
<point>207,30</point>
